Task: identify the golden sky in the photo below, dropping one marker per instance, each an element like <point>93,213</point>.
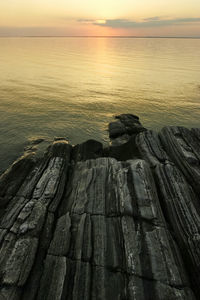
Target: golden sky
<point>105,17</point>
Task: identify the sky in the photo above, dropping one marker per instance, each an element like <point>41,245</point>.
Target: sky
<point>100,18</point>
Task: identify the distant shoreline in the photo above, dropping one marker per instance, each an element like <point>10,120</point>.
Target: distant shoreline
<point>123,37</point>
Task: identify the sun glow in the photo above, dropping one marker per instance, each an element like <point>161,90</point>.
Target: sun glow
<point>121,17</point>
<point>100,21</point>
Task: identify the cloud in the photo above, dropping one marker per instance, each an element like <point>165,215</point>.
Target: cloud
<point>33,31</point>
<point>152,19</point>
<point>145,23</point>
<point>86,21</point>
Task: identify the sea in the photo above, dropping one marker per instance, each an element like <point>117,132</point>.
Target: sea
<point>72,87</point>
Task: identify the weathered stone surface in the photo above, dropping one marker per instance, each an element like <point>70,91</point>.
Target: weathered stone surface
<point>12,211</point>
<point>2,235</point>
<point>7,245</point>
<point>79,224</point>
<point>19,262</point>
<point>12,179</point>
<point>78,281</point>
<point>54,163</point>
<point>183,212</point>
<point>10,293</point>
<point>88,186</point>
<point>151,252</point>
<point>142,289</point>
<point>4,201</point>
<point>107,187</point>
<point>52,282</point>
<point>196,132</point>
<point>51,185</point>
<point>47,185</point>
<point>183,149</point>
<point>107,242</point>
<point>107,284</point>
<point>83,281</point>
<point>81,243</point>
<point>150,148</point>
<point>144,195</point>
<point>61,240</point>
<point>30,290</point>
<point>30,219</point>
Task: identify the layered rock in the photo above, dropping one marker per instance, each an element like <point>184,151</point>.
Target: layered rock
<point>183,146</point>
<point>85,222</point>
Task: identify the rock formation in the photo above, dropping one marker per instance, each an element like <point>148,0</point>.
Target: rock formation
<point>88,222</point>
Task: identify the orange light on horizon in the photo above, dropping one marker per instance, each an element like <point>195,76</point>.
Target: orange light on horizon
<point>100,22</point>
<point>76,17</point>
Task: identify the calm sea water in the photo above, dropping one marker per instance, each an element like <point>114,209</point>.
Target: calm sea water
<point>72,87</point>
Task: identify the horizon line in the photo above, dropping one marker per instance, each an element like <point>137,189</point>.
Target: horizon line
<point>99,36</point>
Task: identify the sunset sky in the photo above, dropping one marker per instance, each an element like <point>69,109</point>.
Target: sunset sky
<point>99,18</point>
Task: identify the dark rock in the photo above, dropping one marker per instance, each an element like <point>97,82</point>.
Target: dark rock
<point>183,212</point>
<point>90,149</point>
<point>125,124</point>
<point>60,148</point>
<point>77,223</point>
<point>124,151</point>
<point>12,211</point>
<point>107,187</point>
<point>142,289</point>
<point>10,293</point>
<point>13,178</point>
<point>116,129</point>
<point>150,148</point>
<point>120,140</point>
<point>31,287</point>
<point>53,278</point>
<point>184,152</point>
<point>61,240</point>
<point>19,262</point>
<point>78,280</point>
<point>196,132</point>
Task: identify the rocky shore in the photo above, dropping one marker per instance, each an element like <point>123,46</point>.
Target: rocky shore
<point>88,222</point>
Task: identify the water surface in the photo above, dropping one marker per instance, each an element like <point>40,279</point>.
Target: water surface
<point>72,87</point>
